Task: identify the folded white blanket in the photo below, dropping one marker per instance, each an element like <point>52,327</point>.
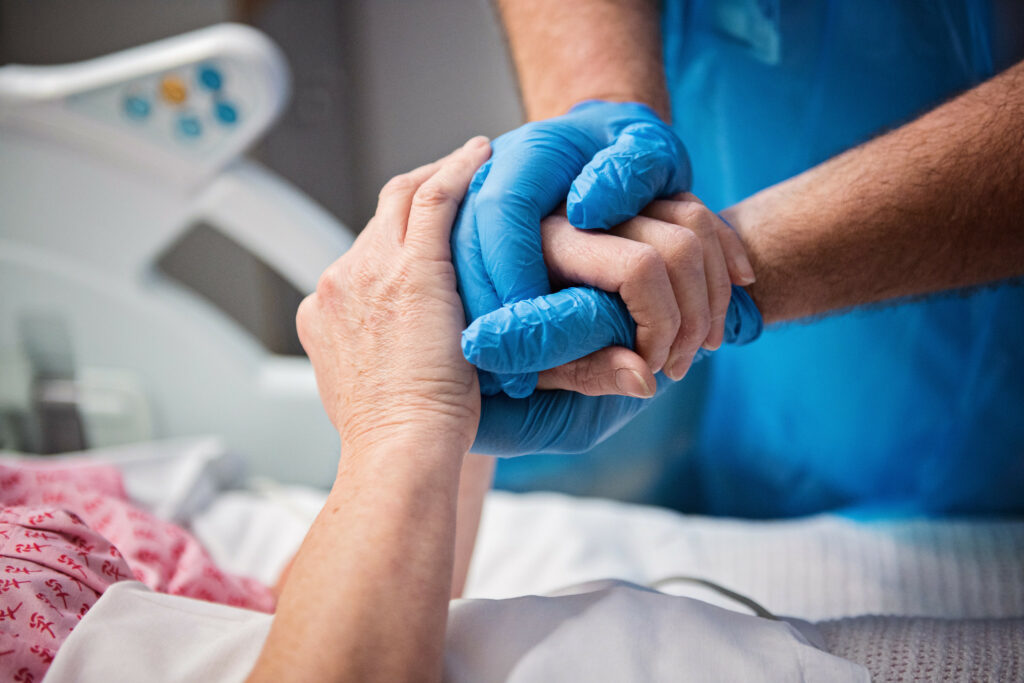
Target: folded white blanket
<point>610,632</point>
<point>605,632</point>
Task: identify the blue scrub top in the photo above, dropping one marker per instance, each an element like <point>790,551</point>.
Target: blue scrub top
<point>914,406</point>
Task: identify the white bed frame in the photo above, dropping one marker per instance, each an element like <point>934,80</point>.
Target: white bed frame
<point>91,194</point>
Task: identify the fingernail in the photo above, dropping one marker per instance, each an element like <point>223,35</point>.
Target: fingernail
<point>745,270</point>
<point>478,141</point>
<point>678,369</point>
<point>631,383</point>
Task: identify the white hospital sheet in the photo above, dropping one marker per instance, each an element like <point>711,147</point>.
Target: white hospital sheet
<point>823,567</point>
<point>817,568</point>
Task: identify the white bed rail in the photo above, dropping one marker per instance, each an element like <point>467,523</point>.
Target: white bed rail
<point>106,164</point>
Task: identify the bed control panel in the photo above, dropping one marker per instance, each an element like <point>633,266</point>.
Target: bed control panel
<point>193,108</point>
<point>185,106</point>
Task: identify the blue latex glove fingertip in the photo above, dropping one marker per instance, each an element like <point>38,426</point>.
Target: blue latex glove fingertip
<point>646,161</point>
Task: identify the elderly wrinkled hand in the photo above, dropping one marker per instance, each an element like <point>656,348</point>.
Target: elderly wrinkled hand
<point>382,329</point>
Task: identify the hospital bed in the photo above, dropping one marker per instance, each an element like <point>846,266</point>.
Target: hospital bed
<point>107,165</point>
<point>904,599</point>
<point>106,168</point>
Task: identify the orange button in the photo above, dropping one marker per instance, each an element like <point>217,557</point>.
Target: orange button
<point>173,89</point>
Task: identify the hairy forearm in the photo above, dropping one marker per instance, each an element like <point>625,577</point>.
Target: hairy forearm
<point>367,595</point>
<point>474,482</point>
<point>566,51</point>
<point>934,205</point>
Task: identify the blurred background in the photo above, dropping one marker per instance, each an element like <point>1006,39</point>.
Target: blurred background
<point>379,86</point>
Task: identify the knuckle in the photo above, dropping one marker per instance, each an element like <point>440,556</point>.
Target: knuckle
<point>306,306</point>
<point>327,285</point>
<point>332,283</point>
<point>691,214</point>
<point>399,185</point>
<point>592,386</point>
<point>688,197</point>
<point>695,328</point>
<point>682,246</point>
<point>700,219</point>
<point>673,320</point>
<point>432,194</point>
<point>657,326</point>
<point>584,379</point>
<point>644,262</point>
<point>304,317</point>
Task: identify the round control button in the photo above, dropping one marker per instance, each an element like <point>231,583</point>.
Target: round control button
<point>210,77</point>
<point>190,126</point>
<point>226,113</point>
<point>136,107</point>
<point>173,90</point>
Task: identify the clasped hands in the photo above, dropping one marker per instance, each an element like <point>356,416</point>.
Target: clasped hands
<point>634,302</point>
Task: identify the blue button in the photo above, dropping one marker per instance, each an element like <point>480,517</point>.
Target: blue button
<point>210,77</point>
<point>226,113</point>
<point>136,107</point>
<point>189,126</point>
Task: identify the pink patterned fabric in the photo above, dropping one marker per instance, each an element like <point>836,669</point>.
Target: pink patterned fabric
<point>68,532</point>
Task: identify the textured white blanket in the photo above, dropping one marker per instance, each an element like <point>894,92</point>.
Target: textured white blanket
<point>817,568</point>
<point>925,649</point>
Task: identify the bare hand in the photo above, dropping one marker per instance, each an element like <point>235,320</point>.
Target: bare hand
<point>382,329</point>
<point>672,265</point>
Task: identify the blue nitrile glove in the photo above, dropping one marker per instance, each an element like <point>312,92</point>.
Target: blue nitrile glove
<point>610,160</point>
<point>538,334</point>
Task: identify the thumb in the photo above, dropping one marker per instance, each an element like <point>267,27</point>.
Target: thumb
<point>545,332</point>
<point>645,162</point>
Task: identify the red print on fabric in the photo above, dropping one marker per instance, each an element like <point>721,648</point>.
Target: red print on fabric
<point>69,532</point>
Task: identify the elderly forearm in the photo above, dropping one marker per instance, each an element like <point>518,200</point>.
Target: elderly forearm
<point>566,51</point>
<point>367,596</point>
<point>936,204</point>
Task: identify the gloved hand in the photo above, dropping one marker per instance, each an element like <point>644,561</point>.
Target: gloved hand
<point>672,266</point>
<point>565,421</point>
<point>609,159</point>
